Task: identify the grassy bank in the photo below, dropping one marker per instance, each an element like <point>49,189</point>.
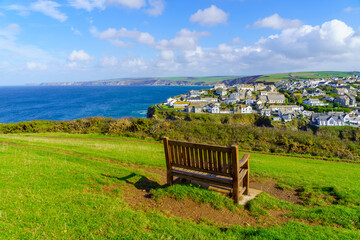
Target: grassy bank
<point>250,132</point>
<point>71,186</point>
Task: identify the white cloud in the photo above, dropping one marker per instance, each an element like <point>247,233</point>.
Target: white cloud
<point>184,40</point>
<point>1,14</point>
<point>332,45</point>
<point>88,5</point>
<point>17,58</point>
<point>10,31</point>
<point>276,22</point>
<point>76,31</point>
<point>108,61</point>
<point>119,43</point>
<point>48,8</point>
<point>210,16</point>
<point>167,55</point>
<point>79,56</point>
<point>136,4</point>
<point>156,7</point>
<point>33,66</point>
<point>237,41</point>
<point>113,34</point>
<point>352,10</point>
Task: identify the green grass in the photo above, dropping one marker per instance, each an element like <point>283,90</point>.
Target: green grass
<point>302,75</point>
<point>56,188</point>
<point>180,192</point>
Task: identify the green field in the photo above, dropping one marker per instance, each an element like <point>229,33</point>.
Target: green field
<point>71,186</point>
<point>302,75</point>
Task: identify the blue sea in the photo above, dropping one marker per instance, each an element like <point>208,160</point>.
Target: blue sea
<point>71,102</point>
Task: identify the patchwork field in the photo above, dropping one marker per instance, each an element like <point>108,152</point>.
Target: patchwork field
<point>87,186</point>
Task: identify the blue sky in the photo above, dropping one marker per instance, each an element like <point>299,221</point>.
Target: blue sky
<point>82,40</point>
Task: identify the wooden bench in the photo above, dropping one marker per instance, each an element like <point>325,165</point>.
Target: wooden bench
<point>216,165</point>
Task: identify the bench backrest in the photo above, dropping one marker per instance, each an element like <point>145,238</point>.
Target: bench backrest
<point>201,157</point>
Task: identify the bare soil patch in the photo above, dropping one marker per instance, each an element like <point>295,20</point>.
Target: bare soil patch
<point>269,186</point>
<point>188,209</point>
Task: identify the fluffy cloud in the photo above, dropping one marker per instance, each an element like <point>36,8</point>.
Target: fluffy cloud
<point>17,58</point>
<point>113,34</point>
<point>276,22</point>
<point>48,8</point>
<point>33,66</point>
<point>79,56</point>
<point>184,40</point>
<point>331,45</point>
<point>136,4</point>
<point>210,16</point>
<point>88,5</point>
<point>108,61</point>
<point>156,7</point>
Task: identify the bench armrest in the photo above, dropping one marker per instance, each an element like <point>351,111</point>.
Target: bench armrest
<point>244,160</point>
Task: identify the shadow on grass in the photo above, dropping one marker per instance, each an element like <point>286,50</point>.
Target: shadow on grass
<point>142,184</point>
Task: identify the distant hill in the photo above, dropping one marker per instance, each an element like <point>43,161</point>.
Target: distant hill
<point>206,81</point>
<point>169,81</point>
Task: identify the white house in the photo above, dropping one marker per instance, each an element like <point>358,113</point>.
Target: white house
<point>170,102</point>
<point>244,109</point>
<point>213,109</point>
<point>314,102</point>
<point>330,119</point>
<point>230,100</point>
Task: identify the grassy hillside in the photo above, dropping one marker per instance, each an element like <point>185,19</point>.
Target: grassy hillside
<point>72,186</point>
<point>302,75</point>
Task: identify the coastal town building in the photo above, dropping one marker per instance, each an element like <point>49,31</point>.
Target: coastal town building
<point>314,102</point>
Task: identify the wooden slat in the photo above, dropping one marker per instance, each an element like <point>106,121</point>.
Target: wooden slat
<point>219,162</point>
<point>203,178</point>
<point>172,153</point>
<point>183,159</point>
<point>188,156</point>
<point>200,146</point>
<point>224,164</point>
<point>201,170</point>
<point>215,161</point>
<point>210,159</point>
<point>228,159</point>
<point>242,173</point>
<point>196,158</point>
<point>201,153</point>
<point>192,157</point>
<point>176,155</point>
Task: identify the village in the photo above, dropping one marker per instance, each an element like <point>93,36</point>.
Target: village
<point>323,102</point>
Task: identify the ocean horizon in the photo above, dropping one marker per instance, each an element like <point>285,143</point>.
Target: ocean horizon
<point>27,103</point>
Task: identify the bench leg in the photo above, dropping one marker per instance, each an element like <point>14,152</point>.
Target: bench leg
<point>170,179</point>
